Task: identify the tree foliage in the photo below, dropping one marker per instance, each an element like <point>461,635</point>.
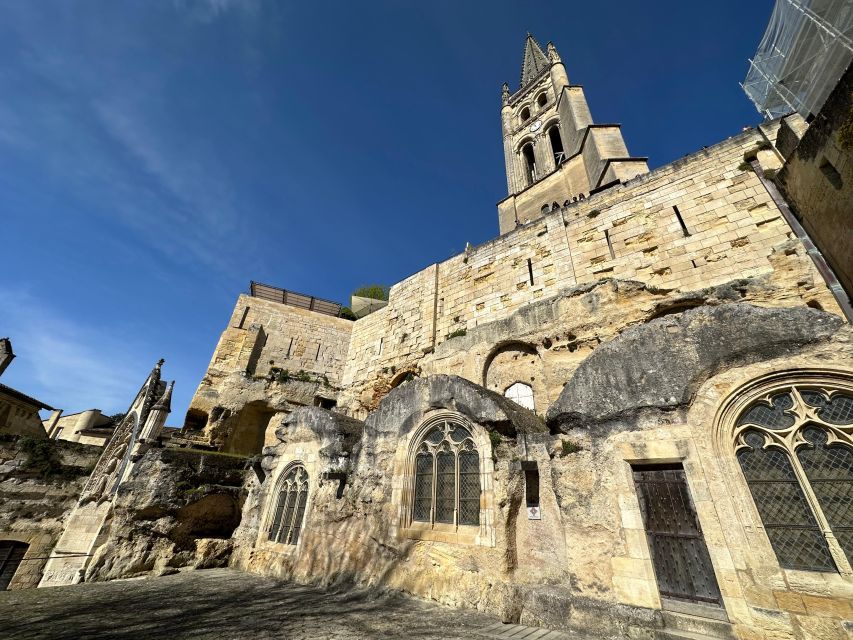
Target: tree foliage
<point>374,291</point>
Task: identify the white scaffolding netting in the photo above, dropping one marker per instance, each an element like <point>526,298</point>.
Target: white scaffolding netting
<point>805,50</point>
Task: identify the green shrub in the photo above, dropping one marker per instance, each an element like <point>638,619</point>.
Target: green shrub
<point>495,439</point>
<point>347,314</point>
<point>374,291</point>
<point>568,447</point>
<point>42,456</point>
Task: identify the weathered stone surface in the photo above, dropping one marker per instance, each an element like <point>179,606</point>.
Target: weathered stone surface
<point>659,365</point>
<point>34,508</point>
<point>401,409</point>
<point>179,509</point>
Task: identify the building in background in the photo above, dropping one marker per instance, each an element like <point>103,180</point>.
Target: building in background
<point>805,50</point>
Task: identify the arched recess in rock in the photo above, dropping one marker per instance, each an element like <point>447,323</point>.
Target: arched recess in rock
<point>248,429</point>
<point>513,362</point>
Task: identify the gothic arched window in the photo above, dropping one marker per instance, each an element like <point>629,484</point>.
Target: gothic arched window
<point>522,394</point>
<point>542,99</point>
<point>556,144</point>
<point>289,510</point>
<point>447,477</point>
<point>525,115</point>
<point>795,447</point>
<point>529,160</point>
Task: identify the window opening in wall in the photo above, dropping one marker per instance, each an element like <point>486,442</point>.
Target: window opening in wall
<point>831,173</point>
<point>525,115</point>
<point>380,346</point>
<point>609,243</point>
<point>447,477</point>
<point>325,403</point>
<point>531,484</point>
<point>795,448</point>
<point>530,270</point>
<point>243,318</point>
<point>289,347</point>
<point>681,221</point>
<point>529,162</point>
<point>556,145</point>
<point>542,99</point>
<point>317,356</point>
<point>289,510</point>
<point>11,555</point>
<point>521,394</point>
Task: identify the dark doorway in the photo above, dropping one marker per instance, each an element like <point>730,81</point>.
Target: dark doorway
<point>11,555</point>
<point>679,554</point>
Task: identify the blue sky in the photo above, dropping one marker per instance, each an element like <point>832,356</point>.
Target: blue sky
<point>156,156</point>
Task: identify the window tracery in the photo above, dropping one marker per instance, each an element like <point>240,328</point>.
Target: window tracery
<point>521,394</point>
<point>795,448</point>
<point>289,510</point>
<point>447,477</point>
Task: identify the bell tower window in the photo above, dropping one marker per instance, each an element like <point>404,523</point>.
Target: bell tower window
<point>529,162</point>
<point>556,145</point>
<point>525,115</point>
<point>542,100</point>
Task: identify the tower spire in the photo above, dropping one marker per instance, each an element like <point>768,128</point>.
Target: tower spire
<point>534,60</point>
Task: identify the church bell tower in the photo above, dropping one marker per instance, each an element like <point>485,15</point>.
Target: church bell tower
<point>553,151</point>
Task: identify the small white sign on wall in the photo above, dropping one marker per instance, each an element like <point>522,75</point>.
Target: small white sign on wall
<point>534,513</point>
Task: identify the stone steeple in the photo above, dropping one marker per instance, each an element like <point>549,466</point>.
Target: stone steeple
<point>554,152</point>
<point>534,61</point>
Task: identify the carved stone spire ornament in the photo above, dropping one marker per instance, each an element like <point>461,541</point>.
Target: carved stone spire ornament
<point>553,56</point>
<point>505,93</point>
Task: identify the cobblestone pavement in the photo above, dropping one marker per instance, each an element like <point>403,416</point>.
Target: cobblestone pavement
<point>220,603</point>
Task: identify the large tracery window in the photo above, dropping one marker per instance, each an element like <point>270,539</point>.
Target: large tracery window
<point>447,477</point>
<point>795,447</point>
<point>289,511</point>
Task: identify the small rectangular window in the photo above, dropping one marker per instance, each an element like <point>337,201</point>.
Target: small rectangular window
<point>831,173</point>
<point>609,244</point>
<point>531,483</point>
<point>243,318</point>
<point>289,347</point>
<point>317,356</point>
<point>530,270</point>
<point>681,221</point>
<point>380,346</point>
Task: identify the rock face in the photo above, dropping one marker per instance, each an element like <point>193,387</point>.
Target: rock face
<point>585,563</point>
<point>34,506</point>
<point>660,364</point>
<point>179,510</point>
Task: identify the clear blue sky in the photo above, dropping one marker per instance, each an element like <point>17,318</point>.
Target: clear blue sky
<point>157,156</point>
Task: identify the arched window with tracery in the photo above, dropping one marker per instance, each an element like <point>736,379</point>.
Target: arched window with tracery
<point>447,477</point>
<point>795,447</point>
<point>289,510</point>
<point>522,394</point>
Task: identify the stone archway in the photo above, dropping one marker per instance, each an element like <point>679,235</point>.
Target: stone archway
<point>249,428</point>
<point>516,362</point>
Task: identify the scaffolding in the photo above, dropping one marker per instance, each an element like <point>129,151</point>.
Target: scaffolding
<point>804,52</point>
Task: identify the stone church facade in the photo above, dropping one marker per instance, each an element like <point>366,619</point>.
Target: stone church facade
<point>630,414</point>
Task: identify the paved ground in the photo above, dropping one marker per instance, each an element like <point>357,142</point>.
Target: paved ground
<point>219,603</point>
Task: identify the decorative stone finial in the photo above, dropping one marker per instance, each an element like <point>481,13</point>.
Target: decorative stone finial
<point>553,56</point>
<point>505,93</point>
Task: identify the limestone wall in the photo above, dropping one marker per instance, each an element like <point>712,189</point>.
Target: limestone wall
<point>731,232</point>
<point>18,417</point>
<point>653,394</point>
<point>34,509</point>
<point>818,181</point>
<point>271,358</point>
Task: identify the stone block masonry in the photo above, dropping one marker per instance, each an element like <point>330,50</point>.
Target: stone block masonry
<point>699,222</point>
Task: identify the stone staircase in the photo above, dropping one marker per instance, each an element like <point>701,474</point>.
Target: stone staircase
<point>694,622</point>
